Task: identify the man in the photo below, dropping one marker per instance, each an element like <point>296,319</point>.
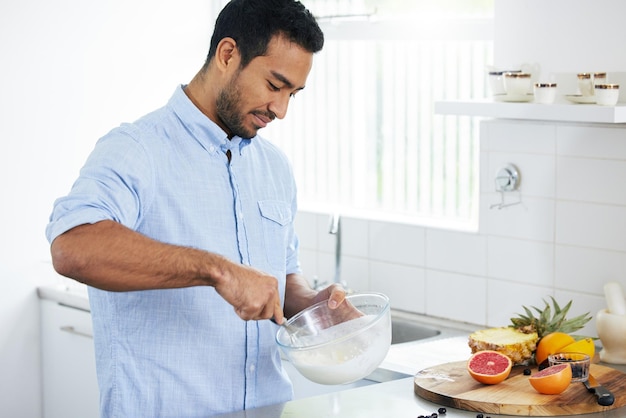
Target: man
<point>181,224</point>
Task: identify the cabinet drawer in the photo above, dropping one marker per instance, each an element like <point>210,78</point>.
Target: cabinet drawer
<point>70,388</point>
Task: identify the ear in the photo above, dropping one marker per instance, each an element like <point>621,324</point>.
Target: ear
<point>227,54</point>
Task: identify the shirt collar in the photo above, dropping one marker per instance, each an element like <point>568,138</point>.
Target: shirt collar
<point>204,130</point>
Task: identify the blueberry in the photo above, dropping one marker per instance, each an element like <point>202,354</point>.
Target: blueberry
<point>577,370</point>
<point>442,410</point>
<point>527,372</point>
<point>544,364</point>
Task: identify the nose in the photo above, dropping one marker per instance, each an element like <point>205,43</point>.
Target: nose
<point>279,106</point>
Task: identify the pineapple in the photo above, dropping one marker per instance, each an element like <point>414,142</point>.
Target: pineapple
<point>547,322</point>
<point>519,340</point>
<point>517,345</point>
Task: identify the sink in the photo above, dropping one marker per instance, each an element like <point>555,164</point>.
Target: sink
<point>404,330</point>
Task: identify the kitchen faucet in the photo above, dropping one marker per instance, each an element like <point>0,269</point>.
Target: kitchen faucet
<point>334,228</point>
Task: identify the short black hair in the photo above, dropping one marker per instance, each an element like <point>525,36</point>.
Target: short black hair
<point>253,23</point>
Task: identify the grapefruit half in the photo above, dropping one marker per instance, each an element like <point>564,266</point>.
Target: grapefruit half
<point>489,367</point>
<point>552,380</point>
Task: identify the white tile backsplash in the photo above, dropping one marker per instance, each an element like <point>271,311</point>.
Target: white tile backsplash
<point>404,285</point>
<point>397,243</point>
<point>356,273</point>
<point>602,141</point>
<point>456,296</point>
<point>522,261</point>
<point>532,219</point>
<point>582,269</point>
<point>566,238</point>
<point>354,237</point>
<point>591,180</point>
<point>591,225</point>
<point>325,240</point>
<point>524,138</point>
<point>506,300</point>
<point>583,303</point>
<point>456,251</point>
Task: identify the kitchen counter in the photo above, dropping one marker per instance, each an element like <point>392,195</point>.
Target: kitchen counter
<point>386,400</point>
<point>76,297</point>
<point>395,399</point>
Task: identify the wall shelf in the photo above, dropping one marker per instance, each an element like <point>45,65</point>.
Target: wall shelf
<point>558,111</point>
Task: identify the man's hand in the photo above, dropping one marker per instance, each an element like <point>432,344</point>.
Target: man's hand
<point>253,294</point>
<point>335,294</point>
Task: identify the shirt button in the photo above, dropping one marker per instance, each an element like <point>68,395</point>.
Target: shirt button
<point>252,368</point>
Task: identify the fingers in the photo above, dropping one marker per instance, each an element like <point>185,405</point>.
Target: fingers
<point>257,310</point>
<point>278,314</point>
<point>336,295</point>
<point>253,294</point>
<point>259,303</point>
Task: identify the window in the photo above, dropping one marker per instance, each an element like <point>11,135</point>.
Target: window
<point>363,137</point>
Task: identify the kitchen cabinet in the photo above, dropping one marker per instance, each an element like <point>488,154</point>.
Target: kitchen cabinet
<point>70,387</point>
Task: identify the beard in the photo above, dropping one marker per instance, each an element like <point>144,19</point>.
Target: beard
<point>229,112</point>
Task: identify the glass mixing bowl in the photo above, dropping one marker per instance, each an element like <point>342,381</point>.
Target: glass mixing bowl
<point>338,346</point>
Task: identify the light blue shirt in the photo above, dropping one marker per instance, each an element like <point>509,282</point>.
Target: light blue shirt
<point>184,352</point>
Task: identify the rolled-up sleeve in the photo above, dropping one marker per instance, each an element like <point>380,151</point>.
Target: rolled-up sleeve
<point>114,184</point>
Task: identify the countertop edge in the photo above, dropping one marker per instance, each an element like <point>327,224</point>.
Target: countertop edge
<point>75,299</point>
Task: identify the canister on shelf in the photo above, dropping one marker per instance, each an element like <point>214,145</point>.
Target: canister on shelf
<point>545,93</point>
<point>599,78</point>
<point>585,84</point>
<point>516,84</point>
<point>607,94</point>
<point>496,81</point>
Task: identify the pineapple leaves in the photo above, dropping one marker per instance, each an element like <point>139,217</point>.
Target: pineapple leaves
<point>549,319</point>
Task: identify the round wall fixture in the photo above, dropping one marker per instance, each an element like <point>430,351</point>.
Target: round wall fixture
<point>507,179</point>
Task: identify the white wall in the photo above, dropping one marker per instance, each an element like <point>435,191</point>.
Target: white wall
<point>560,38</point>
<point>71,70</point>
<point>561,35</point>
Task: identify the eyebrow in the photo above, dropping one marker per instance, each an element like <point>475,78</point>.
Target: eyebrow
<point>285,81</point>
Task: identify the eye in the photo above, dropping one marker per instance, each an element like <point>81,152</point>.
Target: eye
<point>273,87</point>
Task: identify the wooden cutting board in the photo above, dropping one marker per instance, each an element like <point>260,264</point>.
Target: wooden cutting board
<point>451,385</point>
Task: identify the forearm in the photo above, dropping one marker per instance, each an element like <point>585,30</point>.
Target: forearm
<point>112,257</point>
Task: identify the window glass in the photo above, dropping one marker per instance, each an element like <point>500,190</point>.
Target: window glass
<point>363,137</point>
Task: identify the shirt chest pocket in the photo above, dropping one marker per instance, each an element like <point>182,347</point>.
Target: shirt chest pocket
<point>276,217</point>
